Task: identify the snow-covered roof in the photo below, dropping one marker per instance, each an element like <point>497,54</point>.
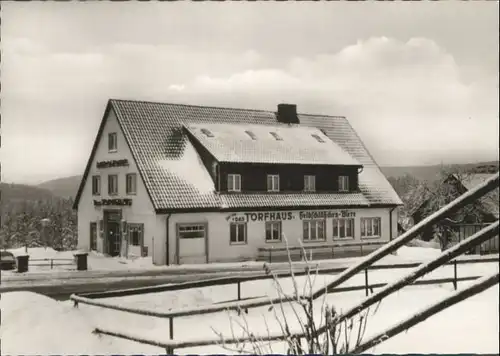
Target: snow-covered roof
<point>284,144</point>
<point>166,161</point>
<point>490,201</point>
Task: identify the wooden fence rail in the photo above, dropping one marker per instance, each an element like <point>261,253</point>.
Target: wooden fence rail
<point>235,305</point>
<point>445,257</point>
<point>271,252</point>
<point>480,286</point>
<point>172,345</point>
<point>238,280</point>
<point>51,260</point>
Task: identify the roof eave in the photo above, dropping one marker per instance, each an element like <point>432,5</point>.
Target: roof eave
<point>264,208</point>
<point>92,155</point>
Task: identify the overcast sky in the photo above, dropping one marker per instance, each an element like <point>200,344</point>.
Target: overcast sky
<point>418,81</point>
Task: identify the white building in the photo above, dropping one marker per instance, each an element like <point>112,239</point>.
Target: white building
<point>193,184</point>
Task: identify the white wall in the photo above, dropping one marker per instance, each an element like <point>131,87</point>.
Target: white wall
<point>218,233</point>
<point>141,210</point>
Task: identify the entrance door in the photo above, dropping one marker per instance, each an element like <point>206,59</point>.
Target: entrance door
<point>113,238</point>
<point>192,243</point>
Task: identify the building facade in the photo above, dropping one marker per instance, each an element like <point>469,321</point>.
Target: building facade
<point>192,184</point>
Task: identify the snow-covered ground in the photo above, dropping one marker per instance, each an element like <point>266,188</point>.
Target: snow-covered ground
<point>102,266</point>
<point>56,327</point>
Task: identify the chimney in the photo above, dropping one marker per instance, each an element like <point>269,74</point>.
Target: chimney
<point>287,114</point>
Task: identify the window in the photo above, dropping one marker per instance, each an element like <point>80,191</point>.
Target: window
<point>131,183</point>
<point>93,236</point>
<point>309,183</point>
<point>207,132</point>
<point>343,183</point>
<point>238,233</point>
<point>112,142</point>
<point>192,231</point>
<point>251,134</point>
<point>370,227</point>
<point>233,182</point>
<point>96,185</point>
<point>273,183</point>
<point>276,136</point>
<point>273,231</point>
<point>112,184</point>
<point>136,234</point>
<point>314,230</point>
<point>319,139</point>
<point>343,228</point>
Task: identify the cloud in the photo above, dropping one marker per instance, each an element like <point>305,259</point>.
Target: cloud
<point>407,99</point>
<point>404,98</point>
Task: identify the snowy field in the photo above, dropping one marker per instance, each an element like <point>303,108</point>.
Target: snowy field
<point>57,327</point>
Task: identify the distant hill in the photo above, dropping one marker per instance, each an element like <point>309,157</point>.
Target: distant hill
<point>68,186</point>
<point>62,187</point>
<point>428,173</point>
<point>20,192</point>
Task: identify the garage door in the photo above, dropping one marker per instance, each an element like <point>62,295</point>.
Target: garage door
<point>192,243</point>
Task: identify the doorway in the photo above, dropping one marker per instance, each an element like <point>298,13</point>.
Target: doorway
<point>113,238</point>
<point>113,235</point>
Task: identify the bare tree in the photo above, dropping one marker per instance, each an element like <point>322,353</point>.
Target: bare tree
<point>302,332</point>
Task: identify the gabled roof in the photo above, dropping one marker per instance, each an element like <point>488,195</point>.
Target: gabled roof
<point>490,201</point>
<point>280,143</point>
<point>176,179</point>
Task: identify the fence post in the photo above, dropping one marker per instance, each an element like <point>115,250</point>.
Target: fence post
<point>333,253</point>
<point>51,263</point>
<point>239,290</point>
<point>171,327</point>
<point>270,255</point>
<point>361,249</point>
<point>455,274</point>
<point>366,281</point>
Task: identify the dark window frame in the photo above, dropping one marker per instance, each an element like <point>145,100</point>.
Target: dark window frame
<point>207,132</point>
<point>231,182</point>
<point>344,183</point>
<point>238,230</point>
<point>110,191</point>
<point>112,142</point>
<point>269,229</point>
<point>251,134</point>
<point>368,225</point>
<point>307,181</point>
<point>132,176</point>
<point>318,138</point>
<point>131,229</point>
<point>339,224</point>
<point>273,178</point>
<point>93,236</point>
<point>96,185</point>
<point>276,136</point>
<point>316,223</point>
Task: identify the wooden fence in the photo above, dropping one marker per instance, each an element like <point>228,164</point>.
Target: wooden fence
<point>363,265</point>
<point>50,262</point>
<point>323,250</point>
<point>465,230</point>
<point>90,298</point>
